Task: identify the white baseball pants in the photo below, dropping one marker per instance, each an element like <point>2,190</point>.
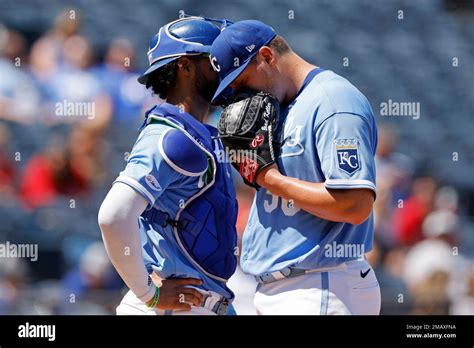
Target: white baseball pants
<point>343,290</point>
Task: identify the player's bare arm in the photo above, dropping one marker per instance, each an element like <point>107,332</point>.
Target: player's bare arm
<point>352,206</point>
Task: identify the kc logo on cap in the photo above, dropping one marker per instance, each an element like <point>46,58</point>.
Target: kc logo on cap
<point>214,64</point>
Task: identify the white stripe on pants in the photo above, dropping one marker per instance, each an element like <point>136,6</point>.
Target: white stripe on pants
<point>332,292</point>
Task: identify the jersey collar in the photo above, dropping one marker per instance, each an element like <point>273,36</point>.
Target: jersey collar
<point>306,82</point>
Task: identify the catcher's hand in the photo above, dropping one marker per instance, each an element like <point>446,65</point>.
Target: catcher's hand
<point>246,127</point>
<point>177,293</point>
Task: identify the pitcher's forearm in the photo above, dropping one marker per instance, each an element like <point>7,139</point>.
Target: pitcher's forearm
<point>350,205</point>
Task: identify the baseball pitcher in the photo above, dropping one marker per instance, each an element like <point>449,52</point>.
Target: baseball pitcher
<point>313,139</point>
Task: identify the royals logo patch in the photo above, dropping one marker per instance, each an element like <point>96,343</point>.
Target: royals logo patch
<point>347,153</point>
<point>152,182</point>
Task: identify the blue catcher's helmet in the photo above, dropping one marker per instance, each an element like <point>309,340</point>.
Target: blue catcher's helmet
<point>186,36</point>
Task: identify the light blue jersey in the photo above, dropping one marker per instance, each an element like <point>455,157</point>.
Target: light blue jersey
<point>166,187</point>
<point>329,135</point>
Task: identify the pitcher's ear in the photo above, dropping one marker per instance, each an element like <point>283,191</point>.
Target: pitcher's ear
<point>267,54</point>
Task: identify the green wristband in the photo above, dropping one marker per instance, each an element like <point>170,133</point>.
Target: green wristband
<point>156,297</point>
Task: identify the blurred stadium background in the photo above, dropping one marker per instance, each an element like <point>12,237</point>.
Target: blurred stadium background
<point>55,170</point>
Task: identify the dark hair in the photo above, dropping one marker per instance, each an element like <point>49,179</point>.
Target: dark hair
<point>279,45</point>
<point>161,80</point>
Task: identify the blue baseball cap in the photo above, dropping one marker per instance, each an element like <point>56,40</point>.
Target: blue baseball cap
<point>234,48</point>
<point>190,35</point>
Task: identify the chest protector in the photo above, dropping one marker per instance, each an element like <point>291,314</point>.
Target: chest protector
<point>205,225</point>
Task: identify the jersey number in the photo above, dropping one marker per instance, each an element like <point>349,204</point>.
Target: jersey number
<point>288,207</point>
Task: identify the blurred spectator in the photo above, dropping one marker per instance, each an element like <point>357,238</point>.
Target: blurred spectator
<point>13,280</point>
<point>441,224</point>
<point>66,24</point>
<point>13,46</point>
<point>47,59</point>
<point>408,219</point>
<point>19,97</point>
<point>50,174</point>
<point>43,65</point>
<point>119,80</point>
<point>74,85</point>
<point>68,168</point>
<point>431,296</point>
<point>394,178</point>
<point>394,168</point>
<point>7,167</point>
<point>388,266</point>
<point>464,303</point>
<point>447,198</point>
<point>93,272</point>
<point>432,264</point>
<point>86,146</point>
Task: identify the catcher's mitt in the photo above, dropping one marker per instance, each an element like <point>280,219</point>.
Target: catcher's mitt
<point>246,126</point>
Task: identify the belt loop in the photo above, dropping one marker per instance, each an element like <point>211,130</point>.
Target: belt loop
<point>220,305</point>
<point>220,308</point>
<point>206,297</point>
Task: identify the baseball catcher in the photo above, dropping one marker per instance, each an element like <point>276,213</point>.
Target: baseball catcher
<point>160,221</point>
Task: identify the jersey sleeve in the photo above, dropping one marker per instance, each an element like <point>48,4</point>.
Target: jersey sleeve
<point>147,171</point>
<point>345,144</point>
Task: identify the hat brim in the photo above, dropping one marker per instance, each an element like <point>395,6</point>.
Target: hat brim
<point>158,64</point>
<point>228,80</point>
